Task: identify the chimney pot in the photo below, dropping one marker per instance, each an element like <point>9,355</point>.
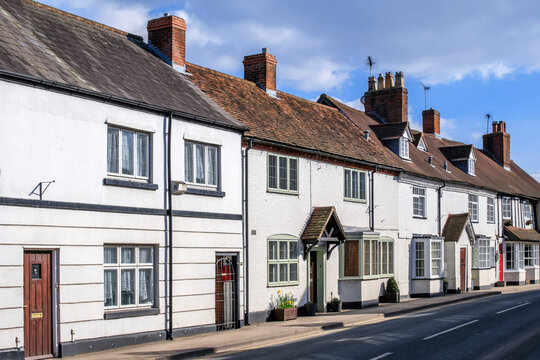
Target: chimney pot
<point>380,82</point>
<point>366,134</point>
<point>400,81</point>
<point>168,35</point>
<point>431,121</point>
<point>372,83</point>
<point>389,80</point>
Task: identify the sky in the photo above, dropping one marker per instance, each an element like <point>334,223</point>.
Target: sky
<point>478,57</point>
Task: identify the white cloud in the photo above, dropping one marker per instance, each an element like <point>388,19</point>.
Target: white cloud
<point>448,128</point>
<point>312,74</point>
<point>476,135</point>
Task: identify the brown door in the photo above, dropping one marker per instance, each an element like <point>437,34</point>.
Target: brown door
<point>37,303</point>
<point>313,277</point>
<point>462,268</point>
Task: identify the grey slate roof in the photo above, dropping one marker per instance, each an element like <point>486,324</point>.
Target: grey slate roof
<point>49,44</point>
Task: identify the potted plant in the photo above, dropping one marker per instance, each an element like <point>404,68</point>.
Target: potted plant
<point>334,305</point>
<point>308,309</point>
<point>391,293</point>
<point>284,307</point>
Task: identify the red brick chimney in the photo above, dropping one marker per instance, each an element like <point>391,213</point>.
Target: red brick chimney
<point>497,143</point>
<point>167,34</point>
<point>431,121</point>
<point>387,100</point>
<point>261,69</point>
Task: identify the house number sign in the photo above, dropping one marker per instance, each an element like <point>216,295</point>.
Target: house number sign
<point>37,315</point>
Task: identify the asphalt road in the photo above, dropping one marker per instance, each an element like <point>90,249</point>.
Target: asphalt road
<point>501,327</point>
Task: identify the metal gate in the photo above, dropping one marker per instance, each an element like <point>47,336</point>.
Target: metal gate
<point>226,314</point>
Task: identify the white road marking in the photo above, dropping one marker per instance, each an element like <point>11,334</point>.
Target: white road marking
<point>512,308</point>
<point>381,356</point>
<point>452,329</point>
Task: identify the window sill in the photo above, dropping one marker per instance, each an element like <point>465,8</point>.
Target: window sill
<point>429,278</point>
<point>420,217</point>
<point>214,193</point>
<point>130,313</point>
<point>130,184</point>
<point>283,192</point>
<point>283,284</point>
<point>361,201</point>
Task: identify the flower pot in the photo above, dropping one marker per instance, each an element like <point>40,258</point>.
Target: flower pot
<point>309,309</point>
<point>391,297</point>
<point>284,314</point>
<point>334,306</point>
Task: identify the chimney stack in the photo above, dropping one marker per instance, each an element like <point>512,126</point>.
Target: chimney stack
<point>261,69</point>
<point>387,101</point>
<point>167,35</point>
<point>497,143</point>
<point>431,122</point>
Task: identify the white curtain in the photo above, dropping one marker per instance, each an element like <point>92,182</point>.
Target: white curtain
<point>188,162</point>
<point>109,255</point>
<point>212,166</point>
<point>200,164</point>
<point>145,286</point>
<point>112,150</point>
<point>142,155</point>
<point>128,255</point>
<point>110,277</point>
<point>127,152</point>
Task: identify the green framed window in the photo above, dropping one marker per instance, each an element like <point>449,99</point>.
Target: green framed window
<point>371,257</point>
<point>354,184</point>
<point>282,260</point>
<point>282,173</point>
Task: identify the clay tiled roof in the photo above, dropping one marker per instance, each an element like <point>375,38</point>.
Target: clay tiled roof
<point>389,131</point>
<point>453,228</point>
<point>489,174</point>
<point>49,44</point>
<point>288,120</point>
<point>519,234</point>
<point>322,218</point>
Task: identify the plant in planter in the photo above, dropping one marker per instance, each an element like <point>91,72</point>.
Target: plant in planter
<point>308,309</point>
<point>334,305</point>
<point>391,293</point>
<point>284,306</point>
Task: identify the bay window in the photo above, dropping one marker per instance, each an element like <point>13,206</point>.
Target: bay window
<point>128,153</point>
<point>282,173</point>
<point>201,164</point>
<point>129,276</point>
<point>531,255</point>
<point>430,252</point>
<point>515,256</point>
<point>368,257</point>
<point>483,253</point>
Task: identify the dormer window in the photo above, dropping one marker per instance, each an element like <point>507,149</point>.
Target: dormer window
<point>471,166</point>
<point>404,147</point>
<point>422,145</point>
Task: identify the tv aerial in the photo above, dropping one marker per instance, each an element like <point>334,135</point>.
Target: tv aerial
<point>426,88</point>
<point>370,62</point>
<point>488,116</point>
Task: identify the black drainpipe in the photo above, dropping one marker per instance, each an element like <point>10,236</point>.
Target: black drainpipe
<point>245,194</point>
<point>169,213</point>
<point>439,196</point>
<point>372,201</point>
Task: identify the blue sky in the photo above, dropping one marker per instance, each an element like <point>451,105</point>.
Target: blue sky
<point>478,57</point>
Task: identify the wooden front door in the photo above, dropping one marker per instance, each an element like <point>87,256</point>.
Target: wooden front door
<point>37,303</point>
<point>462,268</point>
<point>313,277</point>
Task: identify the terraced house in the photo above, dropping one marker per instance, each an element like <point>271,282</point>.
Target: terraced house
<point>143,197</point>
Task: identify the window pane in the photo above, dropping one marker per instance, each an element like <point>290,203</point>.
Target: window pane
<point>272,171</point>
<point>212,166</point>
<point>272,250</point>
<point>293,250</point>
<point>347,184</point>
<point>272,273</point>
<point>188,162</point>
<point>390,258</point>
<point>110,255</point>
<point>128,255</point>
<point>283,250</point>
<point>362,186</point>
<point>374,257</point>
<point>146,255</point>
<point>419,252</point>
<point>367,257</point>
<point>142,155</point>
<point>283,173</point>
<point>350,258</point>
<point>110,284</point>
<point>384,258</point>
<point>283,275</point>
<point>128,287</point>
<point>293,174</point>
<point>200,165</point>
<point>127,152</point>
<point>293,272</point>
<point>112,150</point>
<point>354,184</point>
<point>146,286</point>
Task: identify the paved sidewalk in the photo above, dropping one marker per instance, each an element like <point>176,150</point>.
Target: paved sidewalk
<point>272,333</point>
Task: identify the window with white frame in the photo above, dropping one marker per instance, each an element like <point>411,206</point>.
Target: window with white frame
<point>510,258</point>
<point>527,213</point>
<point>404,147</point>
<point>473,207</point>
<point>490,210</point>
<point>282,173</point>
<point>201,164</point>
<point>128,276</point>
<point>471,166</point>
<point>128,153</point>
<point>419,202</point>
<point>515,256</point>
<point>282,260</point>
<point>428,252</point>
<point>483,254</point>
<point>354,184</point>
<point>531,255</point>
<point>376,256</point>
<point>506,208</point>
